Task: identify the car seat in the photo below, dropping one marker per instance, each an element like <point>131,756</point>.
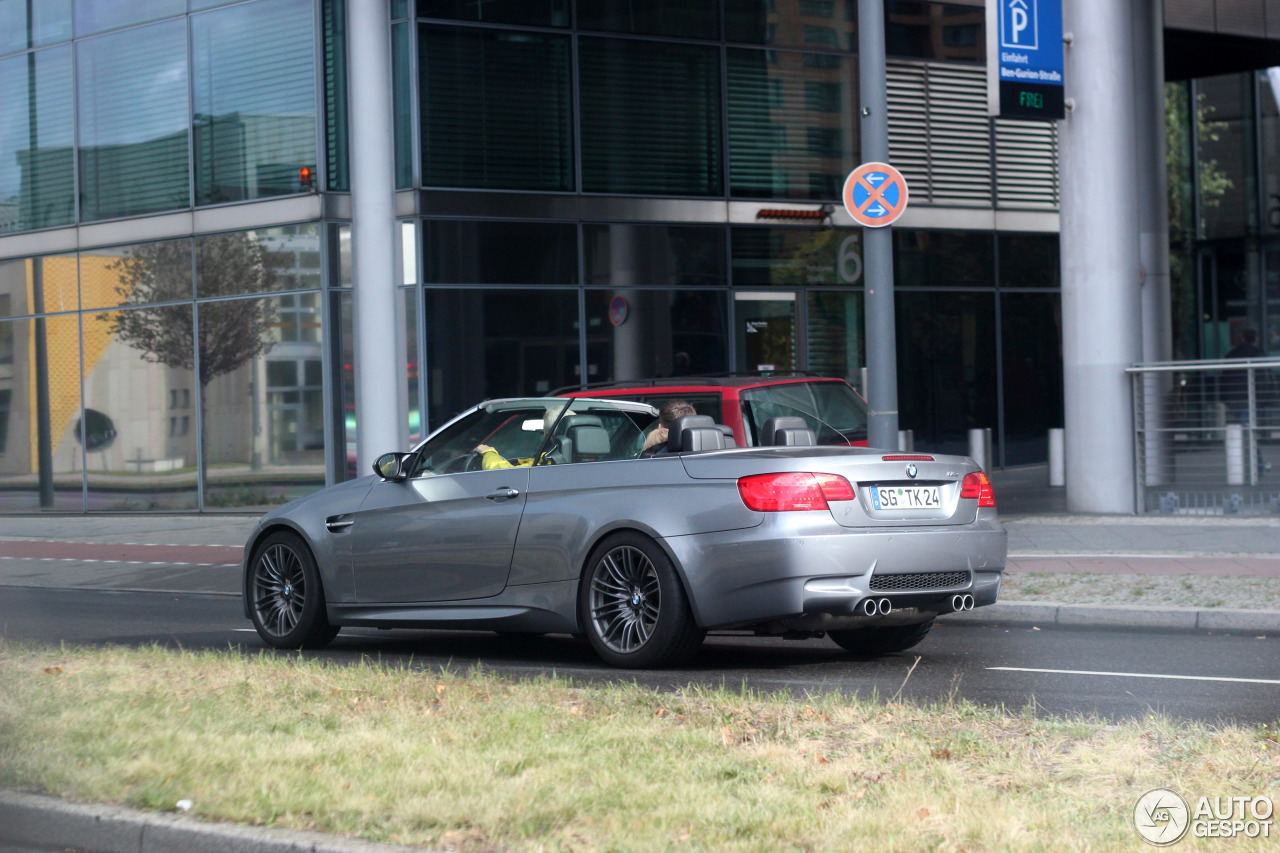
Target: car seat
<point>694,433</point>
<point>787,431</point>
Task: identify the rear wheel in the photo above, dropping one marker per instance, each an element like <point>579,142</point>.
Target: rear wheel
<point>633,606</point>
<point>873,642</point>
<point>287,601</point>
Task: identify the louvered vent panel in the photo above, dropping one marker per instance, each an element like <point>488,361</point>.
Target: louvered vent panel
<point>909,127</point>
<point>939,132</point>
<point>1026,164</point>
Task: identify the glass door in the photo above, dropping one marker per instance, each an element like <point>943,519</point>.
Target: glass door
<point>768,330</point>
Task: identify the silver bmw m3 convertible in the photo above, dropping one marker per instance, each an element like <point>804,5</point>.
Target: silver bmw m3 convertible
<point>558,515</point>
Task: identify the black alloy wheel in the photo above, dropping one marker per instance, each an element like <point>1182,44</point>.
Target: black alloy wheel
<point>633,606</point>
<point>287,599</point>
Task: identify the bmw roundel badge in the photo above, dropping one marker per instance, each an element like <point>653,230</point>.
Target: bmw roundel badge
<point>911,471</point>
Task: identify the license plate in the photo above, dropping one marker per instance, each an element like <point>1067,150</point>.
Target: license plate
<point>905,497</point>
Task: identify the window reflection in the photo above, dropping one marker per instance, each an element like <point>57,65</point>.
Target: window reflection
<point>792,124</point>
<point>286,257</point>
<point>38,285</point>
<point>260,369</point>
<point>1029,260</point>
<point>253,83</point>
<point>462,252</point>
<point>140,408</point>
<point>132,117</point>
<point>496,109</point>
<point>835,338</point>
<point>791,257</point>
<point>141,274</point>
<point>943,258</point>
<point>625,254</point>
<point>696,19</point>
<point>1225,151</point>
<point>484,344</point>
<point>1031,349</point>
<point>37,183</point>
<point>638,334</point>
<point>94,16</point>
<point>24,23</point>
<point>41,460</point>
<point>945,31</point>
<point>650,117</point>
<point>784,22</point>
<point>946,366</point>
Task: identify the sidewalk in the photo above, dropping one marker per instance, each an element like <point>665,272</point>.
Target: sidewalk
<point>1123,570</point>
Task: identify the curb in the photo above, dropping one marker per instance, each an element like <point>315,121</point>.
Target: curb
<point>49,822</point>
<point>1119,616</point>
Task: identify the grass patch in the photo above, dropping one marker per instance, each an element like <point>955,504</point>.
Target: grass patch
<point>470,761</point>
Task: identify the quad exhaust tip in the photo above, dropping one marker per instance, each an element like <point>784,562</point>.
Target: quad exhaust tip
<point>961,602</point>
<point>877,606</point>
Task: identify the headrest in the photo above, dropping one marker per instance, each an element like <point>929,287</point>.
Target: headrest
<point>589,442</point>
<point>571,421</point>
<point>695,439</point>
<point>729,440</point>
<point>768,433</point>
<point>794,438</point>
<point>682,423</point>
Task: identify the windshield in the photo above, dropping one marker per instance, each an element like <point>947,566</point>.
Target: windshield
<point>833,410</point>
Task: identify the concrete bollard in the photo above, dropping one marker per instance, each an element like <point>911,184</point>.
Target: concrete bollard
<point>907,440</point>
<point>1057,457</point>
<point>1235,455</point>
<point>980,447</point>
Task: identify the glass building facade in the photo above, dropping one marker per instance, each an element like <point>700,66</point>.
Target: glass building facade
<point>175,262</point>
<point>1224,186</point>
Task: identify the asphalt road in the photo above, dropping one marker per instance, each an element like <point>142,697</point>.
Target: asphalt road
<point>1111,673</point>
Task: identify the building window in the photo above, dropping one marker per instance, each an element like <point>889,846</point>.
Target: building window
<point>33,24</point>
<point>650,118</point>
<point>495,109</point>
<point>253,82</point>
<point>133,116</point>
<point>792,127</point>
<point>37,183</point>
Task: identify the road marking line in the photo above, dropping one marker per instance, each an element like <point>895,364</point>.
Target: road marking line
<point>1040,555</point>
<point>114,562</point>
<point>1138,675</point>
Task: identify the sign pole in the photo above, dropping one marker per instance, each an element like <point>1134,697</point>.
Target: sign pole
<point>877,245</point>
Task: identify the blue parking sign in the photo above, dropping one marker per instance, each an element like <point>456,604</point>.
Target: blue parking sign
<point>1025,63</point>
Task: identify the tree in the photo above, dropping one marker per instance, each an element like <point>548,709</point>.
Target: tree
<point>231,333</point>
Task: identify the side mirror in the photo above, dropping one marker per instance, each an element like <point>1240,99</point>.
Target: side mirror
<point>388,466</point>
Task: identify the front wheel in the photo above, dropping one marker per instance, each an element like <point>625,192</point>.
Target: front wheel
<point>873,642</point>
<point>287,601</point>
<point>633,606</point>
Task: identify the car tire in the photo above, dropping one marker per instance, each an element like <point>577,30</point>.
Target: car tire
<point>633,606</point>
<point>873,642</point>
<point>287,600</point>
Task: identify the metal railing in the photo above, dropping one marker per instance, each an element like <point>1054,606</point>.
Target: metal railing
<point>1206,434</point>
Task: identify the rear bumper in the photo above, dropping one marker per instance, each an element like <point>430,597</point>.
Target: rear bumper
<point>809,573</point>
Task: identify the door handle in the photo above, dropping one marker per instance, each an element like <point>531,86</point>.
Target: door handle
<point>337,522</point>
<point>503,494</point>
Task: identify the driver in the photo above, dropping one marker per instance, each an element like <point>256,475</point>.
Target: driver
<point>491,460</point>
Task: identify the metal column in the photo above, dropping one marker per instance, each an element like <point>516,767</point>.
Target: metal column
<point>377,317</point>
<point>877,243</point>
<point>1101,287</point>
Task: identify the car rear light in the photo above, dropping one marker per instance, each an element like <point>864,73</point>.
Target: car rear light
<point>793,491</point>
<point>907,458</point>
<point>976,485</point>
